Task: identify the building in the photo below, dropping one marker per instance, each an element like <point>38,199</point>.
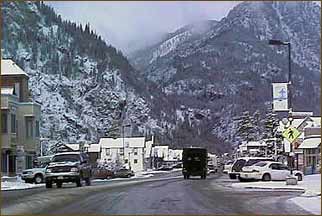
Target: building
<point>20,120</point>
<point>311,147</point>
<point>128,151</point>
<point>253,148</point>
<point>94,153</point>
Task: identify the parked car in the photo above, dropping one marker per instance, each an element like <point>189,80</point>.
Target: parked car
<point>227,166</point>
<point>68,167</point>
<point>102,173</point>
<point>123,173</point>
<point>237,166</point>
<point>267,171</point>
<point>34,175</point>
<point>165,168</point>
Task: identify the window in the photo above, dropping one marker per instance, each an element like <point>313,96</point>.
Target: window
<point>29,128</point>
<point>28,162</point>
<point>108,152</point>
<point>135,161</point>
<point>37,128</point>
<point>4,123</point>
<point>13,123</point>
<point>121,151</point>
<point>126,160</point>
<point>275,166</point>
<point>135,151</point>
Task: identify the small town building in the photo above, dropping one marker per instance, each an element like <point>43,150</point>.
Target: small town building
<point>311,147</point>
<point>128,151</point>
<point>20,120</point>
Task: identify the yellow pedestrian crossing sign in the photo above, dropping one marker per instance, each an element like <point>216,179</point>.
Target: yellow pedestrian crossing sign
<point>291,134</point>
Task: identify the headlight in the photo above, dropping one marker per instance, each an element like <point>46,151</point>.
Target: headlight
<point>74,169</point>
<point>48,170</point>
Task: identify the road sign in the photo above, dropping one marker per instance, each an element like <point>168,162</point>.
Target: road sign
<point>291,134</point>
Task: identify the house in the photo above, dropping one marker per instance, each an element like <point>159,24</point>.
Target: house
<point>311,147</point>
<point>148,154</point>
<point>128,151</point>
<point>20,120</point>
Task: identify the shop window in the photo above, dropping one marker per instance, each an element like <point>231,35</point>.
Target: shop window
<point>28,162</point>
<point>108,152</point>
<point>121,151</point>
<point>135,161</point>
<point>135,151</point>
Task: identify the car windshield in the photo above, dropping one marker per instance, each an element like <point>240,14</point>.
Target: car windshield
<point>260,164</point>
<point>66,158</point>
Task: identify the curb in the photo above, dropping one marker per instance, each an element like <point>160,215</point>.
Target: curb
<point>283,189</point>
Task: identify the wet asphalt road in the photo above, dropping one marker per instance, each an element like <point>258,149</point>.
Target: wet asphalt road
<point>165,194</point>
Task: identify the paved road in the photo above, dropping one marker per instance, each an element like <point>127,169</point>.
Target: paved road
<point>169,194</point>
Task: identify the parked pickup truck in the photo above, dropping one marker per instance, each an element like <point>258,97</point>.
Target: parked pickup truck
<point>68,167</point>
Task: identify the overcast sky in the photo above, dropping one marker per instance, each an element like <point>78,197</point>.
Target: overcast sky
<point>123,23</point>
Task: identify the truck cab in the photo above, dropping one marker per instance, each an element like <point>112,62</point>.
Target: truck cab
<point>194,162</point>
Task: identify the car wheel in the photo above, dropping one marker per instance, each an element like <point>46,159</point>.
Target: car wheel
<point>79,182</point>
<point>49,184</point>
<point>299,177</point>
<point>38,179</point>
<point>266,177</point>
<point>88,181</point>
<point>59,184</point>
<point>128,176</point>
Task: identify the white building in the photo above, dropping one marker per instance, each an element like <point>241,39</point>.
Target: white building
<point>161,152</point>
<point>175,154</point>
<point>128,151</point>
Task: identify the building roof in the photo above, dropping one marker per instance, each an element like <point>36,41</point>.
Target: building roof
<point>94,148</point>
<point>133,142</point>
<point>9,67</point>
<point>7,90</point>
<point>308,143</point>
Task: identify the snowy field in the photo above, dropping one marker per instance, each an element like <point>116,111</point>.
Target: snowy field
<point>310,200</point>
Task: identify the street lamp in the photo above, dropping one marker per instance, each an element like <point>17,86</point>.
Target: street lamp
<point>279,43</point>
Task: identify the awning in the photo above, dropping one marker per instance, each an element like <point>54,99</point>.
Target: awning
<point>310,143</point>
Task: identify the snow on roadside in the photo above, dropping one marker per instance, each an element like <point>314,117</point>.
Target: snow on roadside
<point>18,185</point>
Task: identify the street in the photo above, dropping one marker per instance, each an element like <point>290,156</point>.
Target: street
<point>163,194</point>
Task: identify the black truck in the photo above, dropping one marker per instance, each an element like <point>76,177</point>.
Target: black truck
<point>194,162</point>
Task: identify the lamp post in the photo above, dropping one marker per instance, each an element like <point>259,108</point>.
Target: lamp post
<point>288,44</point>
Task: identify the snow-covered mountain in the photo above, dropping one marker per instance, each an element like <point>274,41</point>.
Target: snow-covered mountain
<point>228,68</point>
<point>79,80</point>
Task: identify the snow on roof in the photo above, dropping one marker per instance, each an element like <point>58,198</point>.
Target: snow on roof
<point>9,67</point>
<point>133,142</point>
<point>74,147</point>
<point>309,143</point>
<point>94,148</point>
<point>7,90</point>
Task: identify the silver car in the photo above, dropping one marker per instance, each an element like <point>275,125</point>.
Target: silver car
<point>34,175</point>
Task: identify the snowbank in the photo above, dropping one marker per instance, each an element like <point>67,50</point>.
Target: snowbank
<point>17,185</point>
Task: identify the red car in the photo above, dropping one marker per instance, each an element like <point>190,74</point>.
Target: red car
<point>102,173</point>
